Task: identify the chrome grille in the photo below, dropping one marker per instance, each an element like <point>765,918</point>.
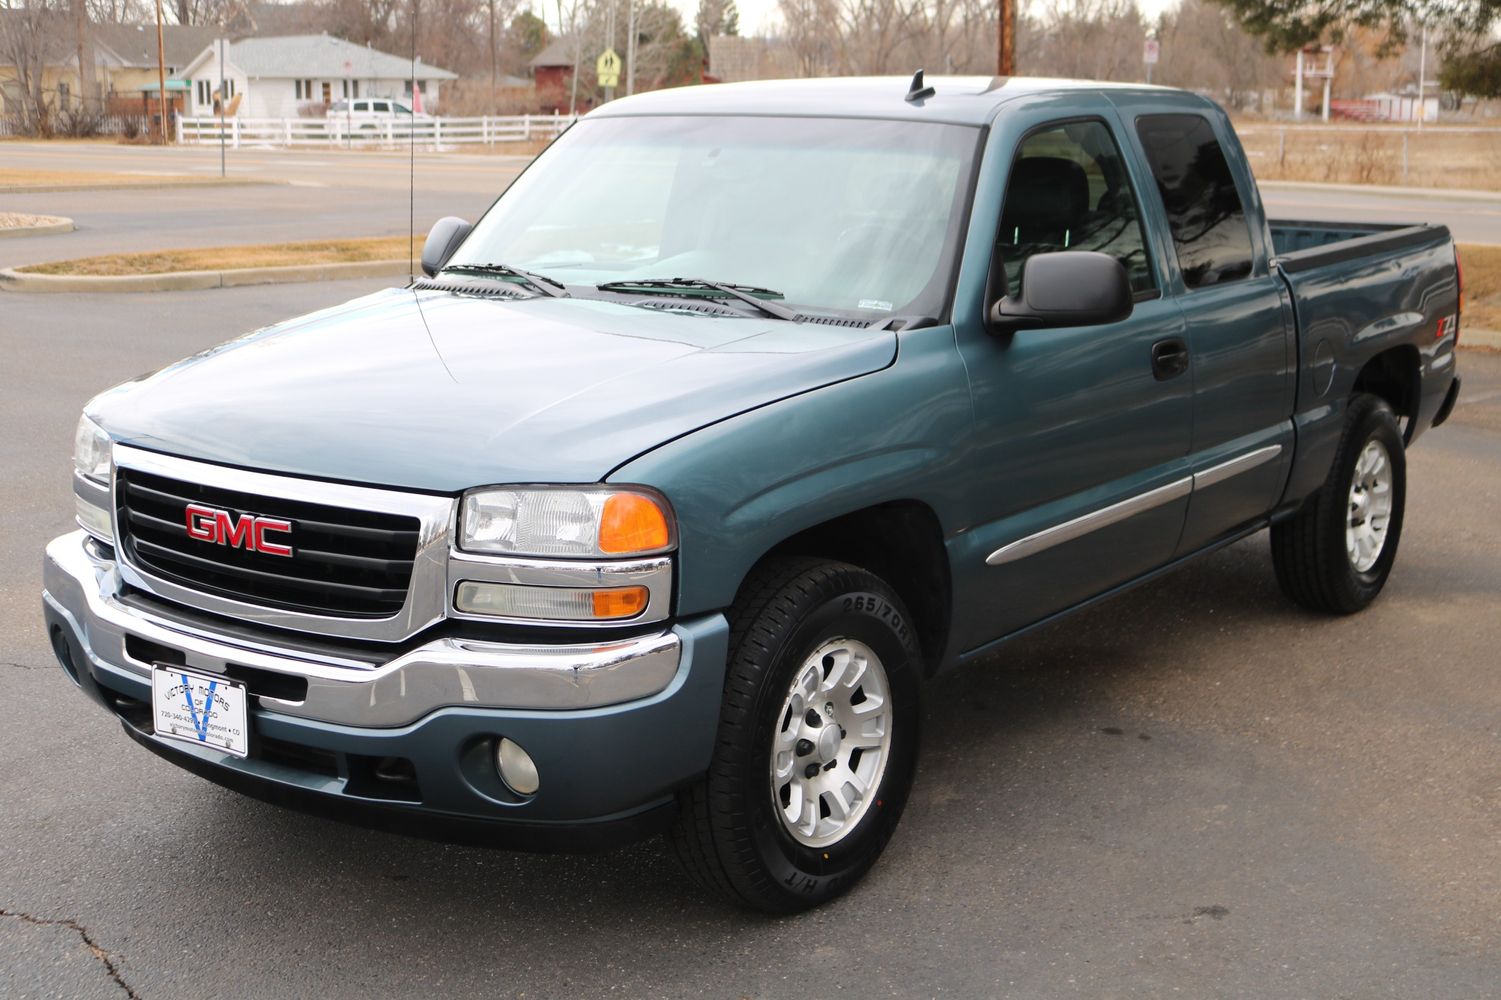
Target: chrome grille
<point>344,562</point>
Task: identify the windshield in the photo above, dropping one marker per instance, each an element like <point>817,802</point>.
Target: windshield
<point>847,215</point>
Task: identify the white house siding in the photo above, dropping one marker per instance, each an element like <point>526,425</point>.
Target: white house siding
<point>266,72</point>
<point>276,98</point>
<point>208,72</point>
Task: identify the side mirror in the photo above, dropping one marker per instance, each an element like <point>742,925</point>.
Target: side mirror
<point>1067,288</point>
<point>442,240</point>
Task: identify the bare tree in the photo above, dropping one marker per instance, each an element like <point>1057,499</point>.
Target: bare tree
<point>810,30</point>
<point>1204,48</point>
<point>33,35</point>
<point>87,91</point>
<point>1089,40</point>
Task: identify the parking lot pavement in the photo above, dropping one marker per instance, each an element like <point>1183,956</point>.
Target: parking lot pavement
<point>1192,790</point>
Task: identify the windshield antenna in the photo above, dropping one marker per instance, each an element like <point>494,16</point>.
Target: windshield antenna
<point>918,92</point>
<point>412,161</point>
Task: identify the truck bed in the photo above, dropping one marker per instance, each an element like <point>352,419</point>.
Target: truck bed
<point>1303,242</point>
<point>1359,291</point>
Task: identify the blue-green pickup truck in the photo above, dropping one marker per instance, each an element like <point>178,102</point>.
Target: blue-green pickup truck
<point>742,412</point>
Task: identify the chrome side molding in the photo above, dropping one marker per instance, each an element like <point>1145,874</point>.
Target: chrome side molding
<point>1234,467</point>
<point>1130,507</point>
<point>1093,521</point>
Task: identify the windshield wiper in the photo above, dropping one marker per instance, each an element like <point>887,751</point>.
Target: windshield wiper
<point>538,282</point>
<point>745,293</point>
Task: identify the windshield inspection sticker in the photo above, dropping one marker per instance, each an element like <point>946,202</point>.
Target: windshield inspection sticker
<point>875,304</point>
<point>209,711</point>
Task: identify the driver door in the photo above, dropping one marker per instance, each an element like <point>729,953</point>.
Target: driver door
<point>1079,471</point>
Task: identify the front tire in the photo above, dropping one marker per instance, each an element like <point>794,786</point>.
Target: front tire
<point>818,737</point>
<point>1336,553</point>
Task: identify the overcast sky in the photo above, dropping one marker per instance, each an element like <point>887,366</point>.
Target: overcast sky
<point>760,16</point>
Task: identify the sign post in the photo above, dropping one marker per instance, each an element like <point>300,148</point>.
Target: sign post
<point>1150,50</point>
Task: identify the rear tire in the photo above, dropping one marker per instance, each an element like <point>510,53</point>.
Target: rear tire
<point>817,744</point>
<point>1335,554</point>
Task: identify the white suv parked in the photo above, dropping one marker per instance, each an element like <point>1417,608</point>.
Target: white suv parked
<point>370,115</point>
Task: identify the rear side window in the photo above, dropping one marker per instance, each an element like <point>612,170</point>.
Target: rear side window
<point>1069,190</point>
<point>1204,210</point>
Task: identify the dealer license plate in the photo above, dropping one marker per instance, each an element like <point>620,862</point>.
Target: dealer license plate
<point>208,711</point>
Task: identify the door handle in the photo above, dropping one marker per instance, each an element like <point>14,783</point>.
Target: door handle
<point>1169,358</point>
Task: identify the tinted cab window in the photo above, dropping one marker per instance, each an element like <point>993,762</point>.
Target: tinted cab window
<point>1069,190</point>
<point>1204,210</point>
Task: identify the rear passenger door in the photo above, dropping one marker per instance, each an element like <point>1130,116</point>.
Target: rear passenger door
<point>1241,334</point>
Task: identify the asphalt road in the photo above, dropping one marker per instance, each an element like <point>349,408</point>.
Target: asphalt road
<point>318,194</point>
<point>1193,790</point>
<point>298,195</point>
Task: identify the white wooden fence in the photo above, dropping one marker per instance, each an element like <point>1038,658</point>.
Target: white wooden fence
<point>334,131</point>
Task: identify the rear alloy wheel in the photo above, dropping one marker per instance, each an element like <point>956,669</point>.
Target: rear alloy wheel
<point>817,738</point>
<point>1335,554</point>
<point>1370,506</point>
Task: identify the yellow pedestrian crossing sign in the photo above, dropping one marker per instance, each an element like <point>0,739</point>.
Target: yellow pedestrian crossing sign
<point>607,68</point>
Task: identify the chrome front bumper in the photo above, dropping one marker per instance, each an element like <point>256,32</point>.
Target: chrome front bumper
<point>82,584</point>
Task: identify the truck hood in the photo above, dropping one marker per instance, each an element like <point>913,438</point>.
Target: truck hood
<point>443,392</point>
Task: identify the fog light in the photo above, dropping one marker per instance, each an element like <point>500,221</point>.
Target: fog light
<point>94,520</point>
<point>516,767</point>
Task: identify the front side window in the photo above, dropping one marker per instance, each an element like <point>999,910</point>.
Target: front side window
<point>851,215</point>
<point>1204,210</point>
<point>1069,190</point>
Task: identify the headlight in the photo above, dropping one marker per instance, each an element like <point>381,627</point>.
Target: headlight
<point>91,453</point>
<point>561,521</point>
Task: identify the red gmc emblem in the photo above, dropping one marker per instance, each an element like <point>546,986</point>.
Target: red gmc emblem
<point>209,524</point>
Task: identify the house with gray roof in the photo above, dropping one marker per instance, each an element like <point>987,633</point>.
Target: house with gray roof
<point>300,74</point>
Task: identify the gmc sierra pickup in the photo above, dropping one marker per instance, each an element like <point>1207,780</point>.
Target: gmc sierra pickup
<point>744,410</point>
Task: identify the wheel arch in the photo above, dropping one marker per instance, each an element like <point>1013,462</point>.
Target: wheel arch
<point>901,541</point>
<point>1394,375</point>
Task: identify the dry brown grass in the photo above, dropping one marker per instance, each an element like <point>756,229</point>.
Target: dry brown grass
<point>1482,267</point>
<point>84,177</point>
<point>1354,154</point>
<point>229,258</point>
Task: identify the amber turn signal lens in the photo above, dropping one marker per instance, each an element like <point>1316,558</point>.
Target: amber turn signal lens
<point>630,523</point>
<point>626,602</point>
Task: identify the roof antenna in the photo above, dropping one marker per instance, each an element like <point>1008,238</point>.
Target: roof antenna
<point>918,92</point>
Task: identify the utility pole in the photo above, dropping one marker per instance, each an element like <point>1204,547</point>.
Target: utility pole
<point>1005,37</point>
<point>1422,82</point>
<point>494,56</point>
<point>87,91</point>
<point>161,71</point>
<point>223,100</point>
<point>610,46</point>
<point>630,48</point>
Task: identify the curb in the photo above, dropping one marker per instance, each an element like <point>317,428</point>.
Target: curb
<point>54,224</point>
<point>187,180</point>
<point>182,281</point>
<point>1485,340</point>
<point>1455,194</point>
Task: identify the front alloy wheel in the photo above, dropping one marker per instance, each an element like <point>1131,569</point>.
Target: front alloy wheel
<point>817,738</point>
<point>832,740</point>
